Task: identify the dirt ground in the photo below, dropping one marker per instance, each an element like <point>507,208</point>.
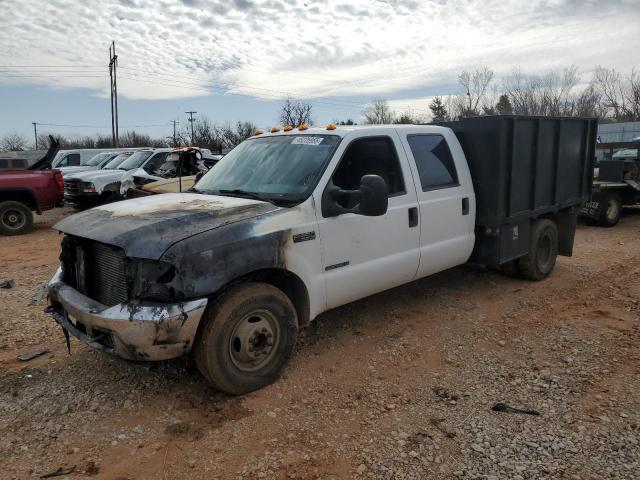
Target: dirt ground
<point>398,385</point>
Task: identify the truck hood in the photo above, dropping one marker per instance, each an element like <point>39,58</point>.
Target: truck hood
<point>147,227</point>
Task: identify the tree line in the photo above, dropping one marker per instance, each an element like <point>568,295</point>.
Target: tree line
<point>205,134</point>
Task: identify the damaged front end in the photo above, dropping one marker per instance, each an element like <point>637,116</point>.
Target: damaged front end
<point>121,305</point>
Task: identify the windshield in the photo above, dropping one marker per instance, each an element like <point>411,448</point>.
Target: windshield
<point>113,164</point>
<point>135,161</point>
<point>58,158</point>
<point>98,159</point>
<point>285,166</point>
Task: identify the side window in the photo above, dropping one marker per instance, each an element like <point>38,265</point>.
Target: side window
<point>73,159</point>
<point>369,156</point>
<point>152,165</point>
<point>4,163</point>
<point>434,161</point>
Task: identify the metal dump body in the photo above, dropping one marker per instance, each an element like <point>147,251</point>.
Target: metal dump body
<point>523,167</point>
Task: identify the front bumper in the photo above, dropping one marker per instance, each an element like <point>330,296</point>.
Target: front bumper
<point>80,197</point>
<point>136,330</point>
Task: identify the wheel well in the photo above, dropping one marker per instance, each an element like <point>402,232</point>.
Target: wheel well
<point>292,286</point>
<point>22,196</point>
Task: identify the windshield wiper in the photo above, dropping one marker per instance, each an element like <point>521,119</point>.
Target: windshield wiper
<point>237,192</point>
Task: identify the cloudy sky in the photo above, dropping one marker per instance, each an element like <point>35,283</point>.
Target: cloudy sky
<point>237,59</point>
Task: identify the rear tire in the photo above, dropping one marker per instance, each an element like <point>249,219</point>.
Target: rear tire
<point>543,251</point>
<point>611,211</point>
<point>247,337</point>
<point>15,218</point>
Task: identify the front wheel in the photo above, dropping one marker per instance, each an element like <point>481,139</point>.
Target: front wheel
<point>246,338</point>
<point>15,218</point>
<point>543,251</point>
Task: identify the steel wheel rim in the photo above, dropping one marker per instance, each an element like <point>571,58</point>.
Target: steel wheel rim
<point>254,341</point>
<point>13,219</point>
<point>612,209</point>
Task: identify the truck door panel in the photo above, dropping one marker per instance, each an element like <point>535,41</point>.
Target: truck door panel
<point>365,255</point>
<point>446,202</point>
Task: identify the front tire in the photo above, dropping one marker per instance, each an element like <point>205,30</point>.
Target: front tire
<point>543,251</point>
<point>247,337</point>
<point>15,218</point>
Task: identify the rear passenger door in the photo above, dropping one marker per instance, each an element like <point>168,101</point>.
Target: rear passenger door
<point>445,198</point>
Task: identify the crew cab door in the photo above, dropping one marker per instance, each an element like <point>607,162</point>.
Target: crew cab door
<point>364,255</point>
<point>445,196</point>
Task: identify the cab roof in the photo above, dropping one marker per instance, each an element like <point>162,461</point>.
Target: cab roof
<point>343,130</point>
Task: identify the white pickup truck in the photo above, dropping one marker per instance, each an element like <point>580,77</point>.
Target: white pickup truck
<point>293,223</point>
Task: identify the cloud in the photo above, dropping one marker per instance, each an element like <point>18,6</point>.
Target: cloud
<point>270,48</point>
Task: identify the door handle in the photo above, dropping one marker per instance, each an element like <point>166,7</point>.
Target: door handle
<point>465,206</point>
<point>413,217</point>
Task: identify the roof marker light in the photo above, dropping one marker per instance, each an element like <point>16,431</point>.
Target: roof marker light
<point>302,127</point>
<point>258,132</point>
<point>287,128</point>
<point>331,126</point>
<point>274,129</point>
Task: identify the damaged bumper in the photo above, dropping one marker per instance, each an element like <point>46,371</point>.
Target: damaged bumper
<point>134,330</point>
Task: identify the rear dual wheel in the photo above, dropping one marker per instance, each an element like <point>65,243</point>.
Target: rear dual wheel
<point>543,251</point>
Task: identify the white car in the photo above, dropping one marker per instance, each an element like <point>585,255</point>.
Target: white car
<point>103,186</point>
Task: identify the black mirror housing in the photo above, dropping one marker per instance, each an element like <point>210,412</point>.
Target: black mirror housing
<point>372,196</point>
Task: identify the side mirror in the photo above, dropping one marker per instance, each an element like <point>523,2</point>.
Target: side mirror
<point>374,196</point>
<point>371,199</point>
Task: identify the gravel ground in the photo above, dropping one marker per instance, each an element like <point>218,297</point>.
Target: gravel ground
<point>397,386</point>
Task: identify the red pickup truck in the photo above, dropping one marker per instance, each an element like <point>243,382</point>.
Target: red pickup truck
<point>22,192</point>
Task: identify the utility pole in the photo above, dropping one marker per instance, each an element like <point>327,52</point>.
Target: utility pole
<point>113,63</point>
<point>174,131</point>
<point>35,133</point>
<point>191,122</point>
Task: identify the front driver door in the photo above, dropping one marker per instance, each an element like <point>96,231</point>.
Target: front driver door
<point>365,255</point>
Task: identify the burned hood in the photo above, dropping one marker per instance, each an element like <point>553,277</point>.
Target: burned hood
<point>147,227</point>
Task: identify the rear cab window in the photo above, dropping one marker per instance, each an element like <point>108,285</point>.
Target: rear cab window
<point>434,161</point>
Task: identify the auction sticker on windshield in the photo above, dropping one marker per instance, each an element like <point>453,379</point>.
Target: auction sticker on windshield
<point>315,141</point>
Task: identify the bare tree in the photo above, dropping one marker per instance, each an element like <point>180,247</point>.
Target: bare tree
<point>230,136</point>
<point>378,112</point>
<point>475,86</point>
<point>621,95</point>
<point>295,113</point>
<point>13,142</point>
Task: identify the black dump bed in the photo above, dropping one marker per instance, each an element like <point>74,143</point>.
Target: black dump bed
<point>523,167</point>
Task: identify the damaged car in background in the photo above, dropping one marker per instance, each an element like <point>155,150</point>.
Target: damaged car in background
<point>296,222</point>
<point>97,187</point>
<point>183,164</point>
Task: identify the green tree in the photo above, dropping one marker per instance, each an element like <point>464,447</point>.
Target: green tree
<point>503,107</point>
<point>438,110</point>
